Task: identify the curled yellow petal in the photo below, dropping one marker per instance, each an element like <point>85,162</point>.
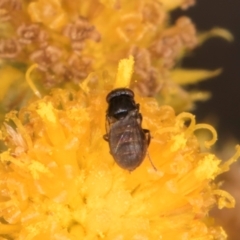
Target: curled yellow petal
<point>208,143</point>
<point>30,82</point>
<point>224,199</point>
<point>226,165</point>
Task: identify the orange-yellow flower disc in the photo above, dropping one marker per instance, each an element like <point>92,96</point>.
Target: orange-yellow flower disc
<point>59,181</point>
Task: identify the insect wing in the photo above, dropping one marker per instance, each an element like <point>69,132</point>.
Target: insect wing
<point>127,143</point>
<point>108,123</point>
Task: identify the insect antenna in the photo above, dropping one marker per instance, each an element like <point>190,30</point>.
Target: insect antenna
<point>151,161</point>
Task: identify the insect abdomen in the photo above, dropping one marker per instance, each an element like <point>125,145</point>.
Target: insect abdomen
<point>129,149</point>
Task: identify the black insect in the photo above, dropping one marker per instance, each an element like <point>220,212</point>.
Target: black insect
<point>128,142</point>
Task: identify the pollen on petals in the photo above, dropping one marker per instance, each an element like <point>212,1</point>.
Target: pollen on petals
<point>65,183</point>
<point>208,167</point>
<point>45,110</point>
<point>125,71</point>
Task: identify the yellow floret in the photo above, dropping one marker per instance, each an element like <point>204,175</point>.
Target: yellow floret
<point>65,183</point>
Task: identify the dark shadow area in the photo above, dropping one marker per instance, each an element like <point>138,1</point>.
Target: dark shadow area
<point>224,106</point>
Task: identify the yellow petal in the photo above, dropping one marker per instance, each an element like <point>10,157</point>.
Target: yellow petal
<point>190,76</point>
<point>216,32</point>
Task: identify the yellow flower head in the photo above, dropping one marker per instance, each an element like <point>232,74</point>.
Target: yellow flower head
<point>59,181</point>
<point>68,40</point>
<point>50,13</point>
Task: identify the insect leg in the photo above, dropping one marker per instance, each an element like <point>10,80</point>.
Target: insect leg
<point>105,137</point>
<point>147,135</point>
<point>148,138</point>
<point>107,124</point>
<point>151,161</point>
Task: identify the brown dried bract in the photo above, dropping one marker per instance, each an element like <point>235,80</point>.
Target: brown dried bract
<point>46,57</point>
<point>187,32</point>
<point>9,48</point>
<point>51,80</point>
<point>75,70</point>
<point>169,49</point>
<point>148,83</point>
<point>78,68</point>
<point>7,7</point>
<point>172,41</point>
<point>79,31</point>
<point>154,13</point>
<point>31,34</point>
<point>187,4</point>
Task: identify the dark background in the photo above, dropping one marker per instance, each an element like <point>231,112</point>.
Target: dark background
<point>224,105</point>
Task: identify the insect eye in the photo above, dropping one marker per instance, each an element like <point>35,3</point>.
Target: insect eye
<point>119,92</point>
